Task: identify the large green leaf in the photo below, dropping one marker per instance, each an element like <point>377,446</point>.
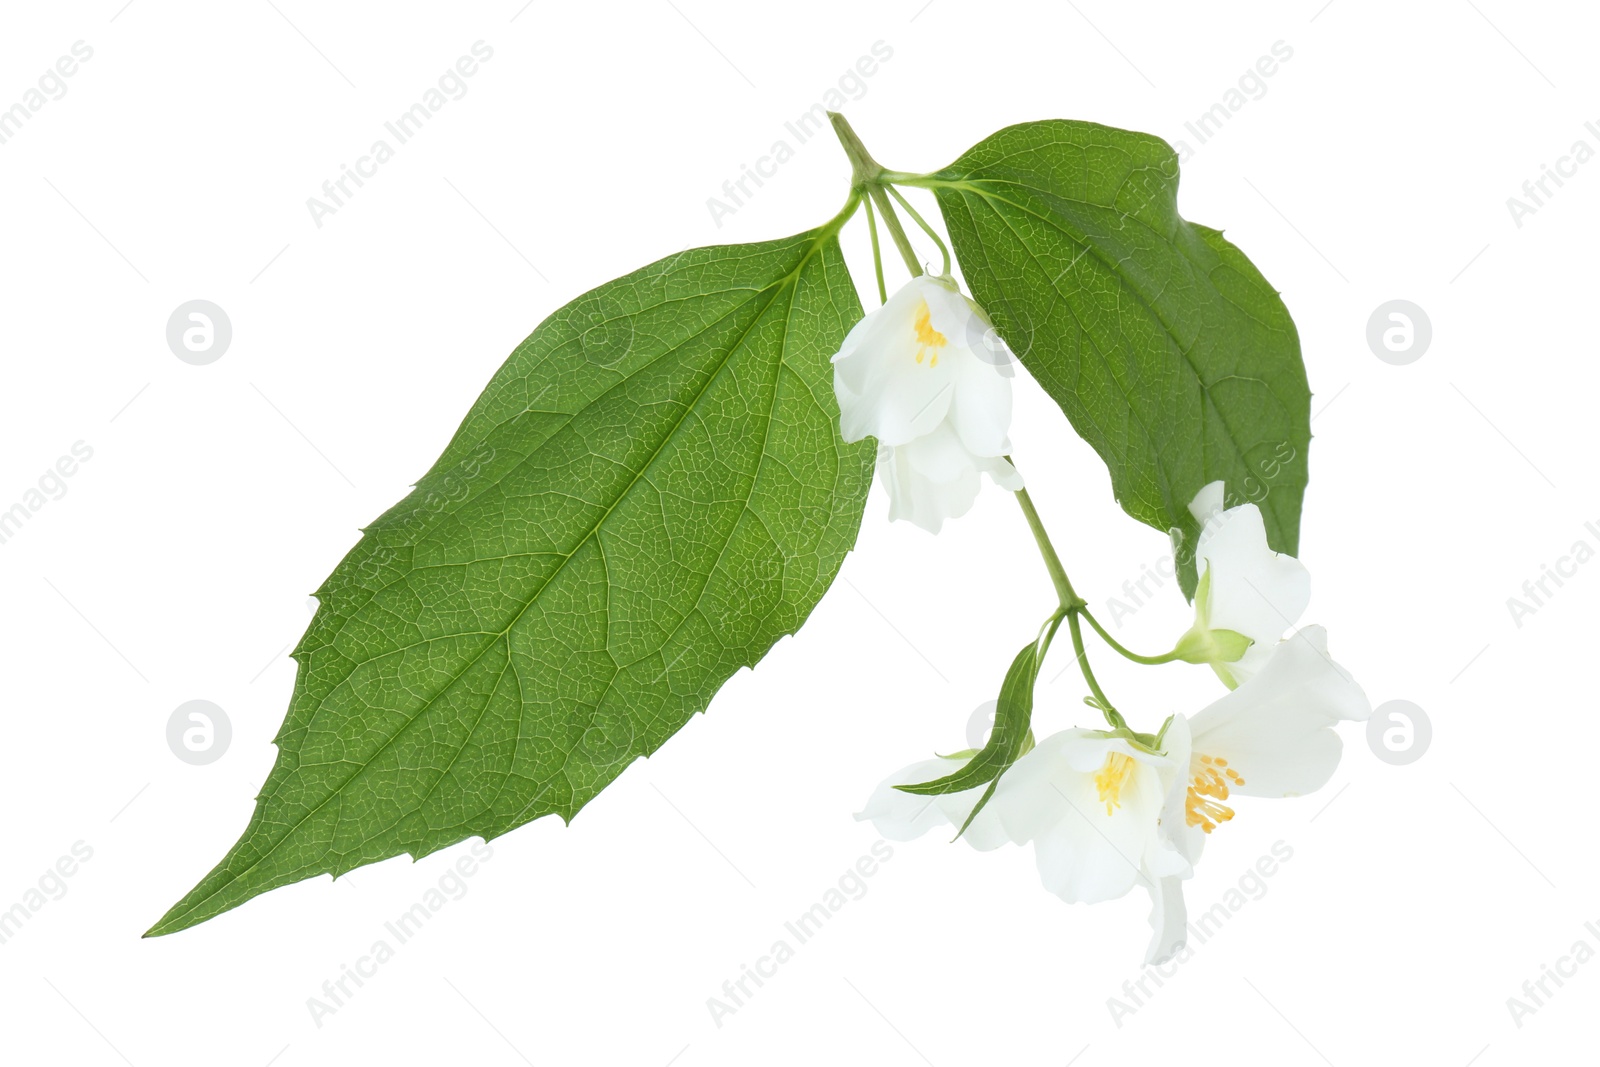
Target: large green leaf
<point>1169,352</point>
<point>649,493</point>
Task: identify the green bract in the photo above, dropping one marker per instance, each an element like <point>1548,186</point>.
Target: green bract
<point>1169,352</point>
<point>650,492</point>
<point>1011,737</point>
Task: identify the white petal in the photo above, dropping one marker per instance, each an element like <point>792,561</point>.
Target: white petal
<point>1027,802</point>
<point>901,816</point>
<point>985,342</point>
<point>883,389</point>
<point>1001,472</point>
<point>1184,840</point>
<point>1169,921</point>
<point>1253,590</point>
<point>1179,851</point>
<point>1091,854</point>
<point>939,455</point>
<point>948,311</point>
<point>1276,730</point>
<point>890,401</point>
<point>1023,801</point>
<point>1207,503</point>
<point>929,480</point>
<point>980,407</point>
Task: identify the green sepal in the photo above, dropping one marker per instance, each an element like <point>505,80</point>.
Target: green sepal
<point>1211,646</point>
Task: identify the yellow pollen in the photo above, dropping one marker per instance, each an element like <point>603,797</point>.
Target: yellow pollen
<point>1111,777</point>
<point>1210,786</point>
<point>927,337</point>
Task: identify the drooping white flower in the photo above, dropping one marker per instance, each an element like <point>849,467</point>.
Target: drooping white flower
<point>1273,736</point>
<point>1245,587</point>
<point>927,375</point>
<point>1105,813</point>
<point>1089,803</point>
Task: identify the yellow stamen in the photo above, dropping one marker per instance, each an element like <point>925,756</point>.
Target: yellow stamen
<point>927,337</point>
<point>1111,777</point>
<point>1210,786</point>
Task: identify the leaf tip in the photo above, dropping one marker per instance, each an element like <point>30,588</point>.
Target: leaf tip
<point>164,926</point>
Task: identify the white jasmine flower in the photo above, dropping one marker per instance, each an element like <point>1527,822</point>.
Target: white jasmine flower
<point>1245,589</point>
<point>927,375</point>
<point>1088,801</point>
<point>1273,736</point>
<point>1105,813</point>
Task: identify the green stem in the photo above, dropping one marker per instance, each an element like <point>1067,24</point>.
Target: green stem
<point>1072,605</point>
<point>835,224</point>
<point>877,255</point>
<point>1113,716</point>
<point>896,231</point>
<point>1070,600</point>
<point>929,230</point>
<point>866,175</point>
<point>864,168</point>
<point>1165,657</point>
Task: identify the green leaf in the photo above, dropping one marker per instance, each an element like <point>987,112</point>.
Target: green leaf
<point>1008,740</point>
<point>1169,352</point>
<point>648,495</point>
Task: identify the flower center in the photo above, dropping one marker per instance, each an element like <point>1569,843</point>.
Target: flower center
<point>1207,790</point>
<point>1111,777</point>
<point>927,336</point>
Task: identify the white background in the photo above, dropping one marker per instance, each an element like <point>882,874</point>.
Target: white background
<point>1376,166</point>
